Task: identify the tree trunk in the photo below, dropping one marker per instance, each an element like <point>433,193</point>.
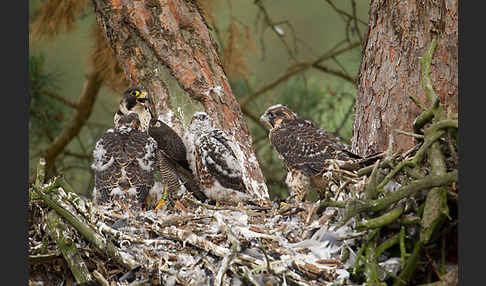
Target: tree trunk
<point>398,36</point>
<point>151,35</point>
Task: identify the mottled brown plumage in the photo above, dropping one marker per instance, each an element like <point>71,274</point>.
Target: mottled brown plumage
<point>305,148</point>
<point>212,157</point>
<point>171,152</point>
<point>212,154</point>
<point>124,162</point>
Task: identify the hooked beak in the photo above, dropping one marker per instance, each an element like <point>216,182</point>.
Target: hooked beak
<point>265,120</point>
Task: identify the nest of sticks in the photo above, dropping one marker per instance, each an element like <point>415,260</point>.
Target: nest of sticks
<point>392,223</point>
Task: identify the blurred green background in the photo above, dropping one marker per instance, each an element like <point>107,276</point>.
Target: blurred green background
<point>310,29</point>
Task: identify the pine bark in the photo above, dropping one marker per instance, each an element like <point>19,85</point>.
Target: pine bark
<point>398,36</point>
<point>149,36</point>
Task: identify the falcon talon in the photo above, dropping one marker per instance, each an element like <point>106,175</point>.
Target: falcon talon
<point>160,204</point>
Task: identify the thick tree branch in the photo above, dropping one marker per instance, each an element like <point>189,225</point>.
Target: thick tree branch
<point>81,225</point>
<point>84,106</point>
<point>59,232</point>
<point>354,207</point>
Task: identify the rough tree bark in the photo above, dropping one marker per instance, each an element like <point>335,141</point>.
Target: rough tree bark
<point>399,34</point>
<point>151,35</point>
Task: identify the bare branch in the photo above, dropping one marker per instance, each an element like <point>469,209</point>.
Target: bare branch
<point>346,14</point>
<point>355,20</point>
<point>61,99</point>
<point>278,32</point>
<point>298,68</point>
<point>334,72</point>
<point>84,106</point>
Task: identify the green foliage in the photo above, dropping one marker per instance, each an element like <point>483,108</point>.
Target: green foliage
<point>331,109</point>
<point>45,113</point>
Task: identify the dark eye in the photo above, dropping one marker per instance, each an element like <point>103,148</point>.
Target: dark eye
<point>135,93</point>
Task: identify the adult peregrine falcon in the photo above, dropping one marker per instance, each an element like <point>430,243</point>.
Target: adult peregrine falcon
<point>124,163</point>
<point>171,152</point>
<point>305,148</point>
<point>135,99</point>
<point>212,157</point>
<point>172,159</point>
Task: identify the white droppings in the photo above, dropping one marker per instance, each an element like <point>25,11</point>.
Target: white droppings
<point>218,90</point>
<point>95,195</point>
<point>392,186</point>
<point>279,30</point>
<point>389,267</point>
<point>181,112</point>
<point>342,274</point>
<point>260,189</point>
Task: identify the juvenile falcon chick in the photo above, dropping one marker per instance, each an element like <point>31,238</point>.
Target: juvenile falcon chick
<point>212,157</point>
<point>124,163</point>
<point>171,153</point>
<point>305,148</point>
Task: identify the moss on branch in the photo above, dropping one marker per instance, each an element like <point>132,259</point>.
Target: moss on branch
<point>60,234</point>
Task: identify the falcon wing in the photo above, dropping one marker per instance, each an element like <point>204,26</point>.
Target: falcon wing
<point>305,147</point>
<point>219,160</point>
<point>172,159</point>
<point>169,142</point>
<point>107,170</point>
<point>140,149</point>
